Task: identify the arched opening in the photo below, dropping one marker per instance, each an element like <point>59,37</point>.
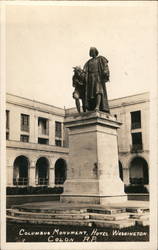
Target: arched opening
<point>139,171</point>
<point>42,171</point>
<point>60,171</point>
<point>20,171</point>
<point>120,171</point>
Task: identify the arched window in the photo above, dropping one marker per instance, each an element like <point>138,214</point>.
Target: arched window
<point>42,171</point>
<point>20,171</point>
<point>60,171</point>
<point>139,171</point>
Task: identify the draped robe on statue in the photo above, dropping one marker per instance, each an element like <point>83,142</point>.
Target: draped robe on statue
<point>97,74</point>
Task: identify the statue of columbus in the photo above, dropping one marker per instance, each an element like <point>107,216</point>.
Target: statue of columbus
<point>95,75</point>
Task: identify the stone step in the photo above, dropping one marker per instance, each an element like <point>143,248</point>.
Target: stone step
<point>142,222</point>
<point>106,210</point>
<point>89,223</point>
<point>139,216</point>
<point>110,217</point>
<point>137,210</point>
<point>52,210</point>
<point>50,221</point>
<point>16,213</point>
<point>95,216</point>
<point>116,221</point>
<point>114,224</point>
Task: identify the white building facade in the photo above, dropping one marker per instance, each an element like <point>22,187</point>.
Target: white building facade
<point>37,142</point>
<point>133,138</point>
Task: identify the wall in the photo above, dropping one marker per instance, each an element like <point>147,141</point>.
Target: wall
<point>120,107</point>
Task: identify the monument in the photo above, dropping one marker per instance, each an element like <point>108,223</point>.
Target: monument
<point>93,171</point>
<point>93,184</point>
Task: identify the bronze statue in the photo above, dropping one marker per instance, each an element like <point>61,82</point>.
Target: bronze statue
<point>89,83</point>
<point>97,74</point>
<point>78,81</point>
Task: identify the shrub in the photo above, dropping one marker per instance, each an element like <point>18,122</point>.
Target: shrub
<point>135,189</point>
<point>33,190</point>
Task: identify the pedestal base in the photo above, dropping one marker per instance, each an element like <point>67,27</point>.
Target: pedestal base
<point>93,171</point>
<point>87,199</point>
<point>95,191</point>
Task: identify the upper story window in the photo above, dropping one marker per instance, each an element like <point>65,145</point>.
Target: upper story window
<point>24,122</point>
<point>58,129</point>
<point>7,119</point>
<point>58,143</point>
<point>135,119</point>
<point>43,141</point>
<point>43,126</point>
<point>24,138</point>
<point>137,142</point>
<point>7,135</point>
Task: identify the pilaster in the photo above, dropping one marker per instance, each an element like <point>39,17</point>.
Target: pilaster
<point>32,174</point>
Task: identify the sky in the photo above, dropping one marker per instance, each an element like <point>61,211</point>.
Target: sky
<point>44,43</point>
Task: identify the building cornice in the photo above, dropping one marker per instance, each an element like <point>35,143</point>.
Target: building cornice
<point>50,109</point>
<point>123,104</point>
<point>36,109</point>
<point>36,147</point>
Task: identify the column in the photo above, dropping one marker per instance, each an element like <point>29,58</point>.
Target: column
<point>15,121</point>
<point>10,169</point>
<point>126,176</point>
<point>51,177</point>
<point>52,173</point>
<point>51,132</point>
<point>35,128</point>
<point>32,174</point>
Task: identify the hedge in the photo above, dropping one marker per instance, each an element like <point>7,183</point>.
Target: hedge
<point>33,190</point>
<point>135,189</point>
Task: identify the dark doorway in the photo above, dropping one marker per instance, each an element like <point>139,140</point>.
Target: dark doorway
<point>139,171</point>
<point>42,171</point>
<point>60,171</point>
<point>20,173</point>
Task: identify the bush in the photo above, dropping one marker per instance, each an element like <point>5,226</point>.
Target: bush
<point>33,190</point>
<point>135,189</point>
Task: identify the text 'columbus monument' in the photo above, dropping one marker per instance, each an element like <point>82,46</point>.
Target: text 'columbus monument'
<point>93,171</point>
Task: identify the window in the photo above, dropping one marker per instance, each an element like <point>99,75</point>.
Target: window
<point>24,138</point>
<point>115,116</point>
<point>43,126</point>
<point>7,119</point>
<point>7,124</point>
<point>24,122</point>
<point>58,143</point>
<point>7,135</point>
<point>135,119</point>
<point>43,141</point>
<point>137,142</point>
<point>58,129</point>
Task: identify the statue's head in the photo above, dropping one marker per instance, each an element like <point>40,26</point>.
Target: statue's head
<point>93,52</point>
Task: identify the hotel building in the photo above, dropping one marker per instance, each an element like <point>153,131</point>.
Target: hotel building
<point>37,141</point>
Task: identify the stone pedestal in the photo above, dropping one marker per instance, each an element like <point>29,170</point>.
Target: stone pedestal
<point>93,171</point>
